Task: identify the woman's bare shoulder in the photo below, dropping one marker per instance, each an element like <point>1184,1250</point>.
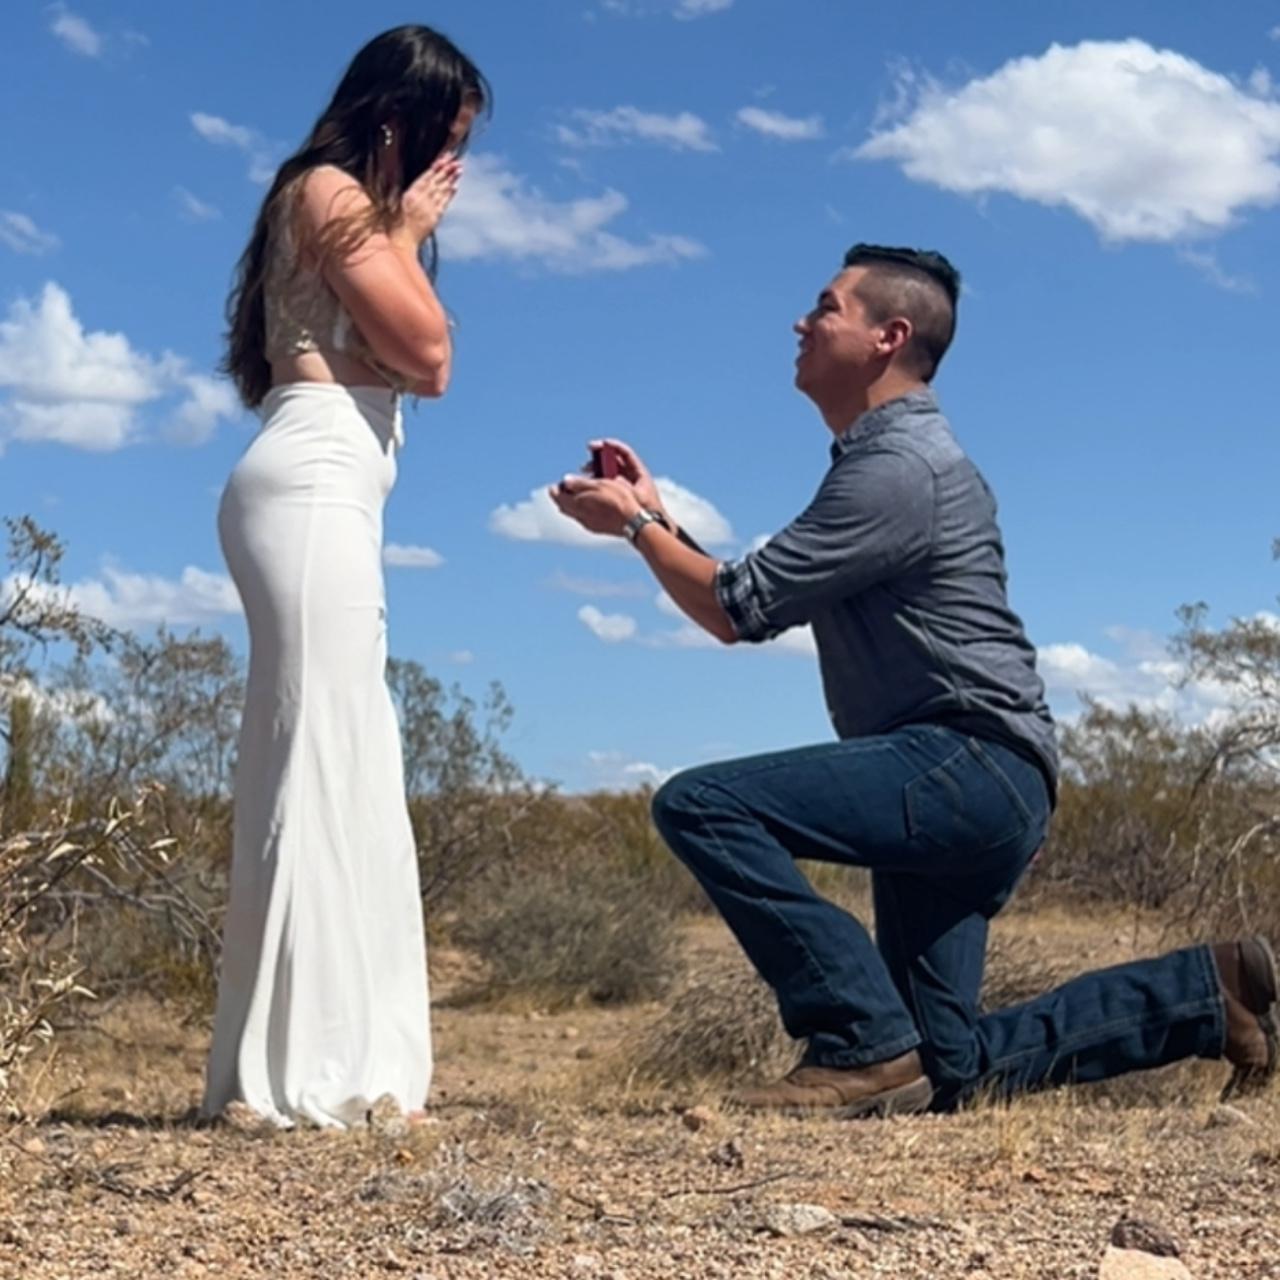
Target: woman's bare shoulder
<point>326,192</point>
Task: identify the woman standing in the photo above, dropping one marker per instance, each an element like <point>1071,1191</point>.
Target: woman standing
<point>322,1002</point>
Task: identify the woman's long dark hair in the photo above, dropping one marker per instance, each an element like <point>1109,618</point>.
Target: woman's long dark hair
<point>410,75</point>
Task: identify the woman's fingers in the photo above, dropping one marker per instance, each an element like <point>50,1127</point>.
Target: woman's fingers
<point>431,193</point>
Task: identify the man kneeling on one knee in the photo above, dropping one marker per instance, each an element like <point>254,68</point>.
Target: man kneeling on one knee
<point>943,777</point>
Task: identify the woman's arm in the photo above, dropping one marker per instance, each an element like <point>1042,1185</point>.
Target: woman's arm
<point>380,281</point>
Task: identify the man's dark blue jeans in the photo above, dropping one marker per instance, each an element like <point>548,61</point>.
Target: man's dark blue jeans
<point>946,823</point>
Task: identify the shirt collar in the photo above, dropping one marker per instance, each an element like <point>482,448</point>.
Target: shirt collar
<point>882,418</point>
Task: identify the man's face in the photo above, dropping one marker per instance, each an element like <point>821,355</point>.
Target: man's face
<point>838,347</point>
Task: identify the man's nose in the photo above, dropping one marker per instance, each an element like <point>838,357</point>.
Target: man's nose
<point>801,326</point>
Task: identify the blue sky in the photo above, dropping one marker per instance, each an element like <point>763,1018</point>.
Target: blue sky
<point>663,188</point>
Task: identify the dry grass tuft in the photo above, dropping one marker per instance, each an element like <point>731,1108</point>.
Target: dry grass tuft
<point>723,1024</point>
<point>469,1205</point>
<point>1016,970</point>
<point>563,938</point>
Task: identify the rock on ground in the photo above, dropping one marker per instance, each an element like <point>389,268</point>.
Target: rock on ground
<point>798,1219</point>
<point>1134,1264</point>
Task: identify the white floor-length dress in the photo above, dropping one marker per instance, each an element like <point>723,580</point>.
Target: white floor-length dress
<point>322,1001</point>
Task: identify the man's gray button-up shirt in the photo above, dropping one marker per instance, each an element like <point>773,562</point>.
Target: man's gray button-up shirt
<point>898,565</point>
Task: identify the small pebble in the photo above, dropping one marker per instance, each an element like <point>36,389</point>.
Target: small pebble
<point>698,1118</point>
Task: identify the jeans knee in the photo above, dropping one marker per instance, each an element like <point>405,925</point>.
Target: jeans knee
<point>674,800</point>
<point>678,803</point>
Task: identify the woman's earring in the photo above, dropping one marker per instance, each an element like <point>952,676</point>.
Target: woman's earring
<point>387,136</point>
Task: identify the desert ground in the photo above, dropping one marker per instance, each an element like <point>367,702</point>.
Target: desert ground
<point>543,1155</point>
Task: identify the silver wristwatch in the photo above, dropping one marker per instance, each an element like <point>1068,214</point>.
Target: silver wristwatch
<point>644,516</point>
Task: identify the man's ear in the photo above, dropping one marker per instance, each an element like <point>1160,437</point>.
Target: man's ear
<point>895,334</point>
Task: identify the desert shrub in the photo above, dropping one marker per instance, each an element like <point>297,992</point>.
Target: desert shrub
<point>48,880</point>
<point>723,1023</point>
<point>1015,971</point>
<point>620,830</point>
<point>621,833</point>
<point>1161,816</point>
<point>467,796</point>
<point>568,935</point>
<point>33,981</point>
<point>154,927</point>
<point>163,709</point>
<point>1180,817</point>
<point>549,836</point>
<point>1124,814</point>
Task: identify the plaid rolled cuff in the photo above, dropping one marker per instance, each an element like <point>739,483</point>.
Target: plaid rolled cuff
<point>736,592</point>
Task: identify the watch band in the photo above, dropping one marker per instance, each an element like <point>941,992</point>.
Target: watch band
<point>631,530</point>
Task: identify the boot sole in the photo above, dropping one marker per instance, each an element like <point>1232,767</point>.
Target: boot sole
<point>1258,967</point>
<point>1259,960</point>
<point>905,1100</point>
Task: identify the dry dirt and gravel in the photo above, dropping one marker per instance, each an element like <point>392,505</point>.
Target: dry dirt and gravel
<point>543,1156</point>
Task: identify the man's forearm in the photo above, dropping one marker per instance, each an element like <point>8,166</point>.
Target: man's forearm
<point>688,577</point>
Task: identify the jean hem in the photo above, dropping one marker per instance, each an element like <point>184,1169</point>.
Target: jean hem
<point>1095,1037</point>
<point>1213,979</point>
<point>865,1056</point>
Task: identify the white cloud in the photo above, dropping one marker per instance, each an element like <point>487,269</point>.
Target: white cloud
<point>686,9</point>
<point>798,640</point>
<point>75,32</point>
<point>462,657</point>
<point>694,514</point>
<point>773,124</point>
<point>609,627</point>
<point>87,390</point>
<point>45,351</point>
<point>683,132</point>
<point>20,233</point>
<point>537,519</point>
<point>193,208</point>
<point>688,635</point>
<point>403,556</point>
<point>208,401</point>
<point>136,600</point>
<point>222,133</point>
<point>60,704</point>
<point>1211,269</point>
<point>681,9</point>
<point>615,771</point>
<point>1145,144</point>
<point>497,215</point>
<point>97,426</point>
<point>1274,33</point>
<point>1142,673</point>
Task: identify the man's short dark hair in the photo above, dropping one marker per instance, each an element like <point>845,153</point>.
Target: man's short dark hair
<point>915,283</point>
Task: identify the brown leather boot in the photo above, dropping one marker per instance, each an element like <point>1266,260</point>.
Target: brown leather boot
<point>895,1086</point>
<point>1247,975</point>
